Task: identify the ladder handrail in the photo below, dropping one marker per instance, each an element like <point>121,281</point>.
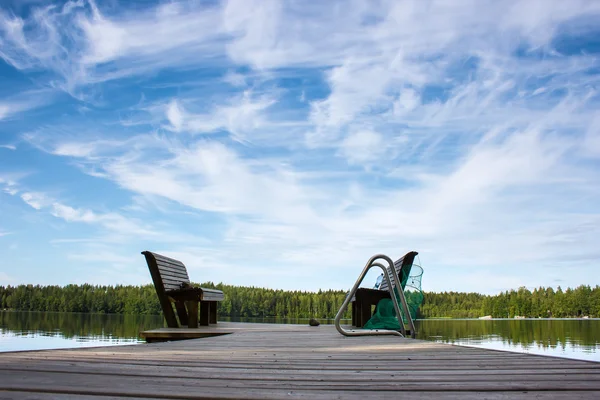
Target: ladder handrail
<point>370,264</point>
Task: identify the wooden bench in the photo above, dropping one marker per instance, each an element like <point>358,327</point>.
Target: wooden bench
<point>172,284</point>
<point>365,298</point>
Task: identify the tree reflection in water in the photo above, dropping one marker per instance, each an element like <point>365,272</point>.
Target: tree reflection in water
<point>544,336</point>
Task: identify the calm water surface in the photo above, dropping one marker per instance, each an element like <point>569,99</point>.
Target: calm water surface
<point>570,338</point>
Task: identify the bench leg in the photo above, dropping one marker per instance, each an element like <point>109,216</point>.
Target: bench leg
<point>365,313</point>
<point>213,312</point>
<point>181,313</point>
<point>192,308</point>
<point>169,315</point>
<point>204,313</point>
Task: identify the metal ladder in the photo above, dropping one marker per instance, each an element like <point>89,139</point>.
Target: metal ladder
<point>373,332</point>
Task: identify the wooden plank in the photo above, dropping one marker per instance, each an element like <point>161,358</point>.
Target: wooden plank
<point>249,362</point>
<point>170,284</point>
<point>356,375</point>
<point>165,258</point>
<point>326,366</point>
<point>18,395</point>
<point>213,296</point>
<point>217,358</point>
<point>227,393</point>
<point>179,272</point>
<point>287,375</point>
<point>175,265</point>
<point>176,279</point>
<point>142,385</point>
<point>174,276</point>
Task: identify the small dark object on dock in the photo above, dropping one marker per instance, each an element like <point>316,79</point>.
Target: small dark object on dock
<point>314,322</point>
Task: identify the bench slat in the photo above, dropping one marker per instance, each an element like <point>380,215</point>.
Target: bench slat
<point>174,283</point>
<point>172,268</point>
<point>168,281</point>
<point>171,285</point>
<point>173,274</point>
<point>198,293</point>
<point>160,257</point>
<point>213,296</point>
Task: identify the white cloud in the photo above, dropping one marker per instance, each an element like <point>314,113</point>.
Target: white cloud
<point>112,221</point>
<point>209,176</point>
<point>238,115</point>
<point>591,143</point>
<point>408,100</point>
<point>81,145</point>
<point>4,111</point>
<point>8,146</point>
<point>148,33</point>
<point>34,200</point>
<point>11,191</point>
<point>75,149</point>
<point>18,104</point>
<point>175,115</point>
<point>11,182</point>
<point>235,79</point>
<point>362,146</point>
<point>70,214</point>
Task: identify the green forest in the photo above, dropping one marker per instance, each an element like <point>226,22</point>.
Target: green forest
<point>241,301</point>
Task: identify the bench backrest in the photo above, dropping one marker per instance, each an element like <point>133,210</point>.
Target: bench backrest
<point>167,273</point>
<point>402,267</point>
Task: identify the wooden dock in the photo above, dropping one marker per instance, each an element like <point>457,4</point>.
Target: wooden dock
<point>260,361</point>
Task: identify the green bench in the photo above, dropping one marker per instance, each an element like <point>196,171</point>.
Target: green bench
<point>365,298</point>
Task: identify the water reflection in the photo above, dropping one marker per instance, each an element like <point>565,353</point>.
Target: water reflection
<point>571,338</point>
<point>51,330</point>
<point>559,337</point>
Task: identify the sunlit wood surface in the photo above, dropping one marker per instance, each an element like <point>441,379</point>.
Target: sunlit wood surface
<point>264,361</point>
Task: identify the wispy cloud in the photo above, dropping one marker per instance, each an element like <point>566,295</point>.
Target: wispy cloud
<point>81,45</point>
<point>111,221</point>
<point>241,115</point>
<point>18,104</point>
<point>9,182</point>
<point>34,200</point>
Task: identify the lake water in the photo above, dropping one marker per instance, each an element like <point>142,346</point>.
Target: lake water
<point>569,338</point>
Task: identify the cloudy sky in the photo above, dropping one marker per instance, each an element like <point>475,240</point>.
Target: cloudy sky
<point>281,144</point>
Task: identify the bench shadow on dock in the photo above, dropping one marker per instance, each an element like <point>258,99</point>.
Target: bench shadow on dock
<point>220,329</point>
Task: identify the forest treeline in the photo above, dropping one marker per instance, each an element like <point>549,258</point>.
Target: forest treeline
<point>242,301</point>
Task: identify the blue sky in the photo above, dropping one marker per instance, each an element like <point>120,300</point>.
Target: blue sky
<point>281,144</point>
